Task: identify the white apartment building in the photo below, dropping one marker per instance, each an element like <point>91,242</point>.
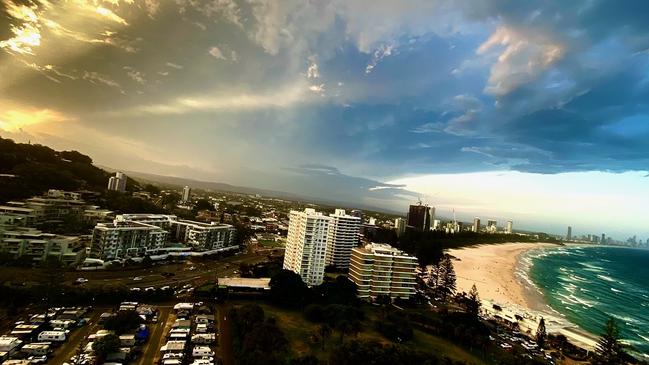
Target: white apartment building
<point>117,182</point>
<point>400,226</point>
<point>203,236</point>
<point>306,245</point>
<point>341,238</point>
<point>381,269</point>
<point>187,194</point>
<point>39,246</point>
<point>138,235</point>
<point>123,239</point>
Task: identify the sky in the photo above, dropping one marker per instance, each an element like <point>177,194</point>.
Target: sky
<point>535,111</point>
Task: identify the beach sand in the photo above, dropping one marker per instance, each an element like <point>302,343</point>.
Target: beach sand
<point>493,269</point>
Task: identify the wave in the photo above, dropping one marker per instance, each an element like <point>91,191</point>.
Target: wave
<point>607,278</point>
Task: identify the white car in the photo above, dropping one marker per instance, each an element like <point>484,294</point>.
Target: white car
<point>81,280</point>
<point>137,278</point>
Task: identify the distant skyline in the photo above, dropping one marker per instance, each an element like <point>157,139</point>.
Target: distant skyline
<point>533,111</point>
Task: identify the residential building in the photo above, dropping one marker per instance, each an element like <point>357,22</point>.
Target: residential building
<point>187,194</point>
<point>380,269</point>
<point>437,224</point>
<point>400,226</point>
<point>569,234</point>
<point>343,235</point>
<point>419,217</point>
<point>203,236</point>
<point>124,239</point>
<point>476,225</point>
<point>117,182</point>
<point>510,227</point>
<point>138,235</point>
<point>492,226</point>
<point>306,245</point>
<point>39,246</point>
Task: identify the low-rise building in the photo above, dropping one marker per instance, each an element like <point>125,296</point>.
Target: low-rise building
<point>380,269</point>
<point>124,239</point>
<point>40,246</point>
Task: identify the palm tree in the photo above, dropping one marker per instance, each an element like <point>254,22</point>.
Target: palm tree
<point>541,333</point>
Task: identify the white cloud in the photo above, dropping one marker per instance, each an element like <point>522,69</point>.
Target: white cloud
<point>312,72</point>
<point>318,89</point>
<point>173,65</point>
<point>135,75</point>
<point>282,98</point>
<point>379,54</point>
<point>98,78</point>
<point>216,53</point>
<point>521,58</point>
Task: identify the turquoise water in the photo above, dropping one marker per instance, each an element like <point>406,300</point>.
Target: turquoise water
<point>588,285</point>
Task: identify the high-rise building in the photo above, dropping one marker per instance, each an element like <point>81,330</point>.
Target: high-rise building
<point>306,245</point>
<point>380,269</point>
<point>419,217</point>
<point>603,240</point>
<point>492,226</point>
<point>117,182</point>
<point>341,238</point>
<point>437,224</point>
<point>187,193</point>
<point>399,226</point>
<point>476,225</point>
<point>569,235</point>
<point>510,227</point>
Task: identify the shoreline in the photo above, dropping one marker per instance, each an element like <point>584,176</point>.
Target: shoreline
<point>500,273</point>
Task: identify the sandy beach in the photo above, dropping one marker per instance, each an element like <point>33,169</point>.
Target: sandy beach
<point>493,270</point>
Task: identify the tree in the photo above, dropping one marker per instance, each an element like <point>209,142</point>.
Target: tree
<point>448,278</point>
<point>324,330</point>
<point>105,345</point>
<point>541,333</point>
<point>287,289</point>
<point>609,349</point>
<point>473,303</point>
<point>442,278</point>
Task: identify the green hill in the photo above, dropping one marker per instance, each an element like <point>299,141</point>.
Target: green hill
<point>31,169</point>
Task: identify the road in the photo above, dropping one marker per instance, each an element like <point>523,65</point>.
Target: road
<point>151,350</point>
<point>69,348</point>
<point>225,336</point>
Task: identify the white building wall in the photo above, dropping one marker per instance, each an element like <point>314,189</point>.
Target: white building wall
<point>306,245</point>
<point>342,238</point>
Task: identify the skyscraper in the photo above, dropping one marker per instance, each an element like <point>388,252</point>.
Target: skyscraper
<point>117,182</point>
<point>569,235</point>
<point>342,238</point>
<point>492,226</point>
<point>476,224</point>
<point>187,193</point>
<point>510,227</point>
<point>603,240</point>
<point>399,226</point>
<point>306,245</point>
<point>419,217</point>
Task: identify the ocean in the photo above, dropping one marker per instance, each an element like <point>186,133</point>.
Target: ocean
<point>587,285</point>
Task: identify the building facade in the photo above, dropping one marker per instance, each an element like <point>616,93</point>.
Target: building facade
<point>400,226</point>
<point>510,227</point>
<point>39,246</point>
<point>117,182</point>
<point>342,237</point>
<point>380,269</point>
<point>138,235</point>
<point>419,217</point>
<point>306,245</point>
<point>492,226</point>
<point>476,225</point>
<point>187,194</point>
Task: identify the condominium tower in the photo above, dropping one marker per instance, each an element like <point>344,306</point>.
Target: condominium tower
<point>187,194</point>
<point>380,269</point>
<point>341,238</point>
<point>306,245</point>
<point>419,217</point>
<point>117,182</point>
